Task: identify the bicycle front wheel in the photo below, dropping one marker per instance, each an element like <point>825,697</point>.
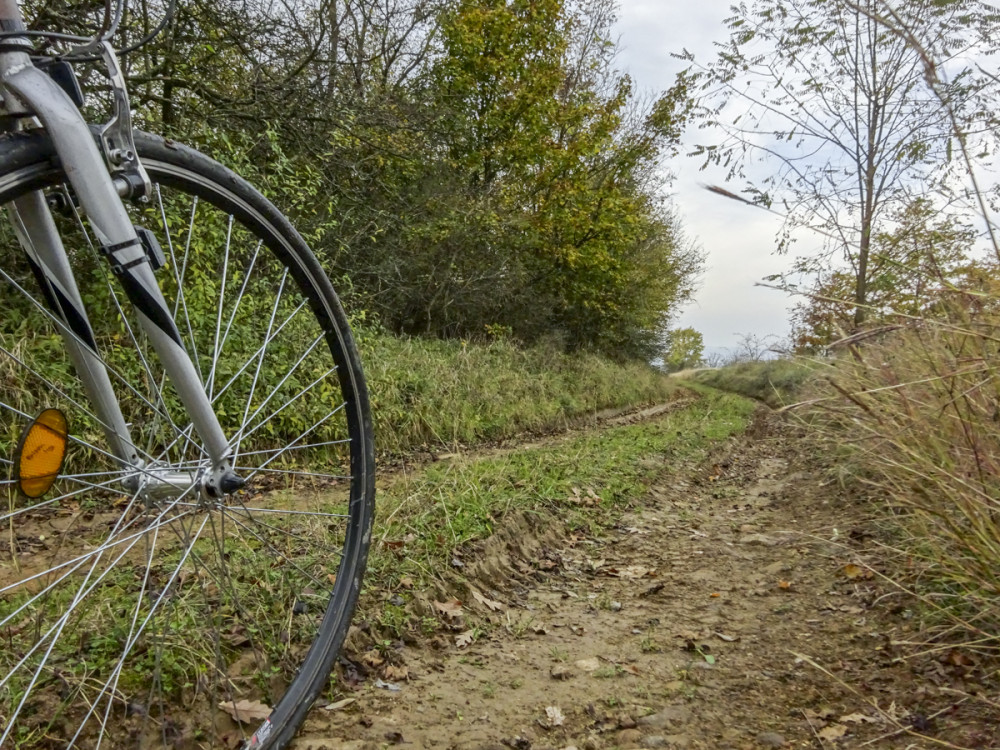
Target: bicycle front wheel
<point>137,619</point>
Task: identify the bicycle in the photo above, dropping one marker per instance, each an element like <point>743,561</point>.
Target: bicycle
<point>186,425</point>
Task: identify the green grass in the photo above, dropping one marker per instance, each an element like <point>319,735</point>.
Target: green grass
<point>776,382</point>
<point>437,510</point>
<point>447,393</point>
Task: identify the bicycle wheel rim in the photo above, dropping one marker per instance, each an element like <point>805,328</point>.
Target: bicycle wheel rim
<point>286,515</point>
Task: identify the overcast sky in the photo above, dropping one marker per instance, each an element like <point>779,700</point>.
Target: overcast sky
<point>738,240</point>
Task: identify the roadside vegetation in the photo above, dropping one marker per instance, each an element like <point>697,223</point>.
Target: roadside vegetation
<point>444,394</point>
<point>585,482</point>
<point>775,382</point>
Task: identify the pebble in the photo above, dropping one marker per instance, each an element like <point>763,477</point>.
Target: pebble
<point>629,737</point>
<point>560,672</point>
<point>771,739</point>
<point>665,717</point>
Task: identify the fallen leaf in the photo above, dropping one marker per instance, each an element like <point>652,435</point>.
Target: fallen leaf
<point>451,608</point>
<point>589,665</point>
<point>332,578</point>
<point>858,719</point>
<point>832,732</point>
<point>336,705</point>
<point>372,658</point>
<point>406,582</point>
<point>555,716</point>
<point>855,572</point>
<point>783,584</point>
<point>727,638</point>
<point>631,571</point>
<point>245,711</point>
<point>464,639</point>
<point>488,603</point>
<point>631,669</point>
<point>397,673</point>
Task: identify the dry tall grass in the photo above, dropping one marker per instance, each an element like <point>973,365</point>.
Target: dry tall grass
<point>918,413</point>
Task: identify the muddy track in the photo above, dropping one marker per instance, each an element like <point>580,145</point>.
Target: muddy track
<point>728,611</point>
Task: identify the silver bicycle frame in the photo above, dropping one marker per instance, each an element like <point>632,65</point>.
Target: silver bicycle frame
<point>29,92</point>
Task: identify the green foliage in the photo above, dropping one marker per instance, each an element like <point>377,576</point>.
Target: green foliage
<point>684,349</point>
<point>459,166</point>
<point>452,393</point>
<point>916,263</point>
<point>776,382</point>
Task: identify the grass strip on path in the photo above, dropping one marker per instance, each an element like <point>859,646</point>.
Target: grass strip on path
<point>424,516</point>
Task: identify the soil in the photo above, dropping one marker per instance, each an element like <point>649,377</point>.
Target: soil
<point>739,606</point>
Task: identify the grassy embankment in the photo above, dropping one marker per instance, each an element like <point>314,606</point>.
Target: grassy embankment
<point>776,382</point>
<point>450,393</point>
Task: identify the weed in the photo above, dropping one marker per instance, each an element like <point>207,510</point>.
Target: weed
<point>559,654</point>
<point>608,670</point>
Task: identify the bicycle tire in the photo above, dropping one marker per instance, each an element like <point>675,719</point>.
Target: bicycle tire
<point>192,628</point>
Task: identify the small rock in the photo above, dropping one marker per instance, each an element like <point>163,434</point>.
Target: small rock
<point>771,739</point>
<point>777,567</point>
<point>629,738</point>
<point>760,539</point>
<point>559,672</point>
<point>626,722</point>
<point>665,717</point>
<point>616,606</point>
<point>589,665</point>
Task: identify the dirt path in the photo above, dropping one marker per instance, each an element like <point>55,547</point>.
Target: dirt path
<point>701,621</point>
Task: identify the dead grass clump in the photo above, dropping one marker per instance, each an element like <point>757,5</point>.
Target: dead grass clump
<point>919,413</point>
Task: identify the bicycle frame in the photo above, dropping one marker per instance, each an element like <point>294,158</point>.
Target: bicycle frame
<point>29,92</point>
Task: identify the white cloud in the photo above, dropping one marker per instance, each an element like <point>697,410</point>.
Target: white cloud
<point>738,239</point>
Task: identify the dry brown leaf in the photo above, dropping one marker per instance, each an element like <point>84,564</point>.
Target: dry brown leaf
<point>631,571</point>
<point>464,639</point>
<point>555,716</point>
<point>397,673</point>
<point>246,711</point>
<point>631,669</point>
<point>372,658</point>
<point>332,578</point>
<point>832,732</point>
<point>406,582</point>
<point>858,719</point>
<point>488,603</point>
<point>336,705</point>
<point>783,584</point>
<point>855,572</point>
<point>451,608</point>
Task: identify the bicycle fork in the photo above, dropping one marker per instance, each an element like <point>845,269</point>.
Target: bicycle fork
<point>28,92</point>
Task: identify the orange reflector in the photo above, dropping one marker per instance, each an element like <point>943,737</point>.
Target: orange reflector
<point>40,453</point>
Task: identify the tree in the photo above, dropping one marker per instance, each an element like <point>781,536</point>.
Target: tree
<point>915,263</point>
<point>837,105</point>
<point>684,349</point>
